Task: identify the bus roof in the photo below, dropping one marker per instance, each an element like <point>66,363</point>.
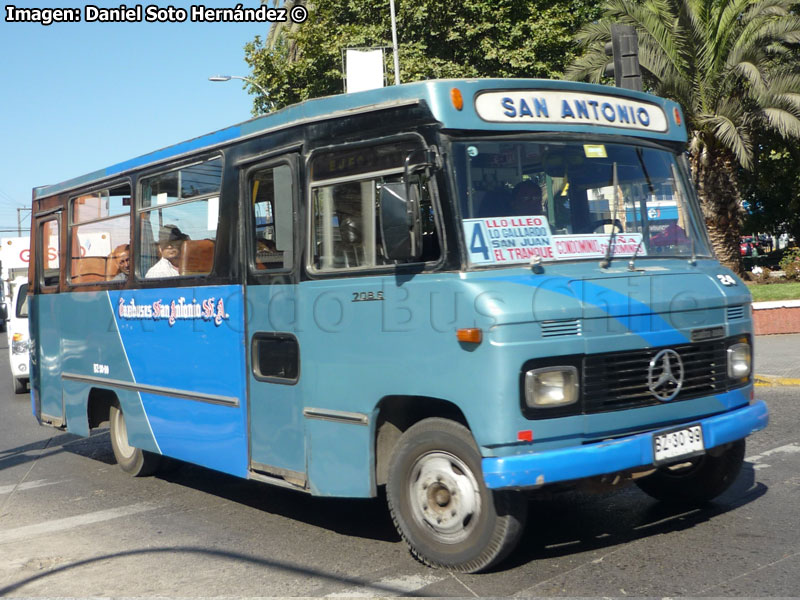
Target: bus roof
<point>499,105</point>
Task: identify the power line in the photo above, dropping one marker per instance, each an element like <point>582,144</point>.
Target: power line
<point>9,198</point>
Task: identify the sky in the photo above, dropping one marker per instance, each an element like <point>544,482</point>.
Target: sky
<point>78,97</point>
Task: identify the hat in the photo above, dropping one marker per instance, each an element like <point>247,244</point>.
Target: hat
<point>170,233</point>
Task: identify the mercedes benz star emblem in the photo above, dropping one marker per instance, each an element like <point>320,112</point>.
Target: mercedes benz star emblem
<point>665,375</point>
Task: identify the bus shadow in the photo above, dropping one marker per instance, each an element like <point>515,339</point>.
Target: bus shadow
<point>367,518</point>
<point>559,524</point>
<point>11,457</point>
<point>195,552</point>
<point>574,522</point>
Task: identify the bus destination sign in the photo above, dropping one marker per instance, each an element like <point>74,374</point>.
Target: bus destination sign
<point>569,108</point>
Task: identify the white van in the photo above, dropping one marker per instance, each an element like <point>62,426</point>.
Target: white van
<point>18,336</point>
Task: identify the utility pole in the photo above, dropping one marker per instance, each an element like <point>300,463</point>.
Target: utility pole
<point>19,219</point>
<point>394,44</point>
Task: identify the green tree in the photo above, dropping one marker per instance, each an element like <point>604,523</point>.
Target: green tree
<point>472,38</point>
<point>731,66</point>
<point>771,189</point>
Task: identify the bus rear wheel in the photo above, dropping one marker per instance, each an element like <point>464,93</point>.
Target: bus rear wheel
<point>441,505</point>
<point>699,481</point>
<point>134,461</point>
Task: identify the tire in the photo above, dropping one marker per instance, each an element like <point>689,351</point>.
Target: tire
<point>704,479</point>
<point>134,461</point>
<point>441,505</point>
<point>20,385</point>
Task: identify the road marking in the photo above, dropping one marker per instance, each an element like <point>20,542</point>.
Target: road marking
<point>395,586</point>
<point>773,380</point>
<point>28,485</point>
<point>756,458</point>
<point>756,570</point>
<point>48,527</point>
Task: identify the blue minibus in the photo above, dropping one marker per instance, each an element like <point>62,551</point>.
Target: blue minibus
<point>456,293</point>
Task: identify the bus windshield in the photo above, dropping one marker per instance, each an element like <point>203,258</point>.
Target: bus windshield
<point>571,200</point>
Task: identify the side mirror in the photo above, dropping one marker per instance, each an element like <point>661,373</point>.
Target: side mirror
<point>399,221</point>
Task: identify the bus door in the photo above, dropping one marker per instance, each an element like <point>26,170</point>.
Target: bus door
<point>277,448</point>
<point>46,392</point>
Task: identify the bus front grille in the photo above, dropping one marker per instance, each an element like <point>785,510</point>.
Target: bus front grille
<point>618,380</point>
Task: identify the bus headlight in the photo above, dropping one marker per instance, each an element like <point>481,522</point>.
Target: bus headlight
<point>551,386</point>
<point>739,361</point>
<point>20,346</point>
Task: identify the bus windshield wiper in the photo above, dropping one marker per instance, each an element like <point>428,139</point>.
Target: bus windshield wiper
<point>632,261</point>
<point>609,250</point>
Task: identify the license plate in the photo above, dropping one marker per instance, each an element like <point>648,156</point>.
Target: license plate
<point>678,443</point>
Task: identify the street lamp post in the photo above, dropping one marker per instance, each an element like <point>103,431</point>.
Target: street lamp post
<point>248,80</point>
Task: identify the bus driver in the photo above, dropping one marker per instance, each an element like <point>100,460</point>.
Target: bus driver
<point>526,199</point>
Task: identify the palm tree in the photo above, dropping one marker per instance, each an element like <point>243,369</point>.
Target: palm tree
<point>734,67</point>
<point>281,32</point>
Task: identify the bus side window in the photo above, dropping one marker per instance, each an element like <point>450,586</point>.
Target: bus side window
<point>178,218</point>
<point>346,229</point>
<point>48,250</point>
<point>345,192</point>
<point>100,222</point>
<point>271,201</point>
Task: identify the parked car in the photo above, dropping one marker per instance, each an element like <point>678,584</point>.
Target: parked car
<point>748,243</point>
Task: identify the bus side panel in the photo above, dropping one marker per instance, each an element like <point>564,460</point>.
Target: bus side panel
<point>76,395</point>
<point>340,459</point>
<point>364,339</point>
<point>46,382</point>
<point>92,348</point>
<point>276,416</point>
<point>187,346</point>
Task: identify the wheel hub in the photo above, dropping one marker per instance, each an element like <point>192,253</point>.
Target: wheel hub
<point>440,495</point>
<point>445,496</point>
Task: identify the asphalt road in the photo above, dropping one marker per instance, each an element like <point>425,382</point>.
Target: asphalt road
<point>73,524</point>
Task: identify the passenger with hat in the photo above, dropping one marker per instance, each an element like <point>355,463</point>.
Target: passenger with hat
<point>170,240</point>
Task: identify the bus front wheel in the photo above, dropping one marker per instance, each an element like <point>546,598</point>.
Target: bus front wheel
<point>134,461</point>
<point>441,505</point>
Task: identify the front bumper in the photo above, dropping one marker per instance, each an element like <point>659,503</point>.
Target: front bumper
<point>620,454</point>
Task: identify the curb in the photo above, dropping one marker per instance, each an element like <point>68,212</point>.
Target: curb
<point>776,304</point>
<point>770,380</point>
